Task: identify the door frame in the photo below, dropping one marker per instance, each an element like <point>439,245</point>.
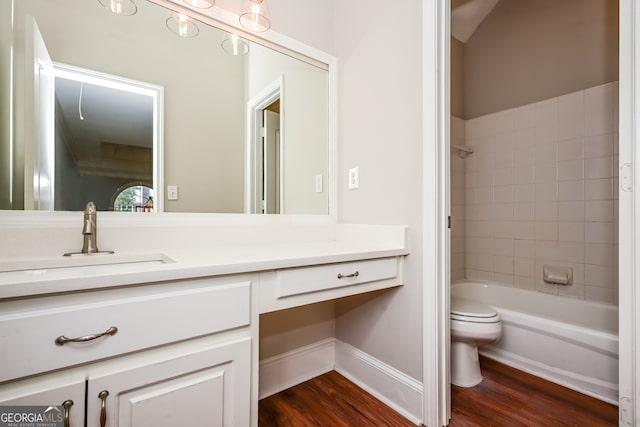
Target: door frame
<point>253,146</point>
<point>436,383</point>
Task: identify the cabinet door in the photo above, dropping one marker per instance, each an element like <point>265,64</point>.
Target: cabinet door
<point>210,387</point>
<point>50,392</point>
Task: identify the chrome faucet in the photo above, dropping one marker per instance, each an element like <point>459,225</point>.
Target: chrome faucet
<point>89,233</point>
<point>90,230</point>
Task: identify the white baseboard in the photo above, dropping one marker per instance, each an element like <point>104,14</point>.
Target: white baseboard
<point>294,367</point>
<point>394,388</point>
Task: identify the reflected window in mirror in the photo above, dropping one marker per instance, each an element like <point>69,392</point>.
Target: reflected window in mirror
<point>134,198</point>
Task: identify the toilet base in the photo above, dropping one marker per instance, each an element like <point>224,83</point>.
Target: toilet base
<point>465,365</point>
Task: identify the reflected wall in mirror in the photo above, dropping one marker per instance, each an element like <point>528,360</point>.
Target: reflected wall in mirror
<point>206,145</point>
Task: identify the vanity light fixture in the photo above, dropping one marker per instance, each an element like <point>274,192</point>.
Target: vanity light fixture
<point>234,45</point>
<point>182,25</point>
<point>120,7</point>
<point>255,16</point>
<point>200,4</point>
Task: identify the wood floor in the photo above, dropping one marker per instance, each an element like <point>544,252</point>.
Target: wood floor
<point>505,398</point>
<point>511,398</point>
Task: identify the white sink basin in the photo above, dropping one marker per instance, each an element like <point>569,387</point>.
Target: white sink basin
<point>80,263</point>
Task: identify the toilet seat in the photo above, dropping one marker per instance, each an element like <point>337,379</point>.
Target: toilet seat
<point>466,310</point>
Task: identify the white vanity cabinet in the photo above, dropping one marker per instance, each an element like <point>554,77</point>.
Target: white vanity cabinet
<point>181,353</point>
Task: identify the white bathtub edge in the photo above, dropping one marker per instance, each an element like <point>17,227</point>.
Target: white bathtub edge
<point>608,392</point>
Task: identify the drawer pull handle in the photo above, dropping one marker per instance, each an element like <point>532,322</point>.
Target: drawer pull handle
<point>356,274</point>
<point>62,340</point>
<point>103,407</point>
<point>67,404</point>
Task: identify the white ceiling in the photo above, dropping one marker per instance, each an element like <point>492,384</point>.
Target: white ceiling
<point>466,15</point>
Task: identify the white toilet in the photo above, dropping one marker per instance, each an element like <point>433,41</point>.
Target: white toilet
<point>472,324</point>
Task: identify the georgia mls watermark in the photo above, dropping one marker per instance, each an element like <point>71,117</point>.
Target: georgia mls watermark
<point>31,416</point>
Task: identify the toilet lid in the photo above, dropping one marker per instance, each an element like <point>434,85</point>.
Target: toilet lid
<point>469,308</point>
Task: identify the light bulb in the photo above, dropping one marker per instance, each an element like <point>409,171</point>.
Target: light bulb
<point>116,7</point>
<point>183,25</point>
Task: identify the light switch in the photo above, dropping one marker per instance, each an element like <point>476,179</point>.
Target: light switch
<point>354,179</point>
<point>172,192</point>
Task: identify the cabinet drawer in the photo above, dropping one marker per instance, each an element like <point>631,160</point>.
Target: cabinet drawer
<point>28,339</point>
<point>294,287</point>
<point>302,280</point>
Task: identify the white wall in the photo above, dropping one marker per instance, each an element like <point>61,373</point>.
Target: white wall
<point>379,130</point>
<point>304,135</point>
<point>6,39</point>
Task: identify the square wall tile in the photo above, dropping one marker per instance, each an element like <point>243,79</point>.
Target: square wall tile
<point>524,267</point>
<point>599,210</point>
<point>598,189</point>
<point>546,172</point>
<point>598,232</point>
<point>546,192</point>
<point>546,211</point>
<point>524,156</point>
<point>598,294</point>
<point>524,138</point>
<point>575,290</point>
<point>502,176</point>
<point>598,275</point>
<point>571,190</point>
<point>503,229</point>
<point>571,113</point>
<point>599,109</point>
<point>572,149</point>
<point>524,282</point>
<point>523,175</point>
<point>505,122</point>
<point>547,230</point>
<point>600,254</point>
<point>599,145</point>
<point>546,153</point>
<point>524,230</point>
<point>523,117</point>
<point>570,170</point>
<point>571,252</point>
<point>571,231</point>
<point>524,193</point>
<point>524,212</point>
<point>546,121</point>
<point>571,211</point>
<point>523,249</point>
<point>503,194</point>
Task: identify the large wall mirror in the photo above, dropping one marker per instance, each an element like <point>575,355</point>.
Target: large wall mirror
<point>117,109</point>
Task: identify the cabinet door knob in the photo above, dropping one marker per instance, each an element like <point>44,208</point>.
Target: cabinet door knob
<point>103,407</point>
<point>356,274</point>
<point>62,340</point>
<point>67,404</point>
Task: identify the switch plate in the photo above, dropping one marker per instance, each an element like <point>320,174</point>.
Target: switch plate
<point>354,179</point>
<point>319,183</point>
<point>172,192</point>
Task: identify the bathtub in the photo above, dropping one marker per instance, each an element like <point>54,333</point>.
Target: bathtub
<point>567,341</point>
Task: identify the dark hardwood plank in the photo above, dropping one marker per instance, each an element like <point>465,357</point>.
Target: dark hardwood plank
<point>327,401</point>
<point>509,397</point>
<point>506,397</point>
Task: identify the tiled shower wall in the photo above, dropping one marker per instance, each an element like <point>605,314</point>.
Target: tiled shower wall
<point>457,201</point>
<point>541,188</point>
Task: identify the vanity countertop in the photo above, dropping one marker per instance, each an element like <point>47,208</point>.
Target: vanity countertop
<point>185,263</point>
